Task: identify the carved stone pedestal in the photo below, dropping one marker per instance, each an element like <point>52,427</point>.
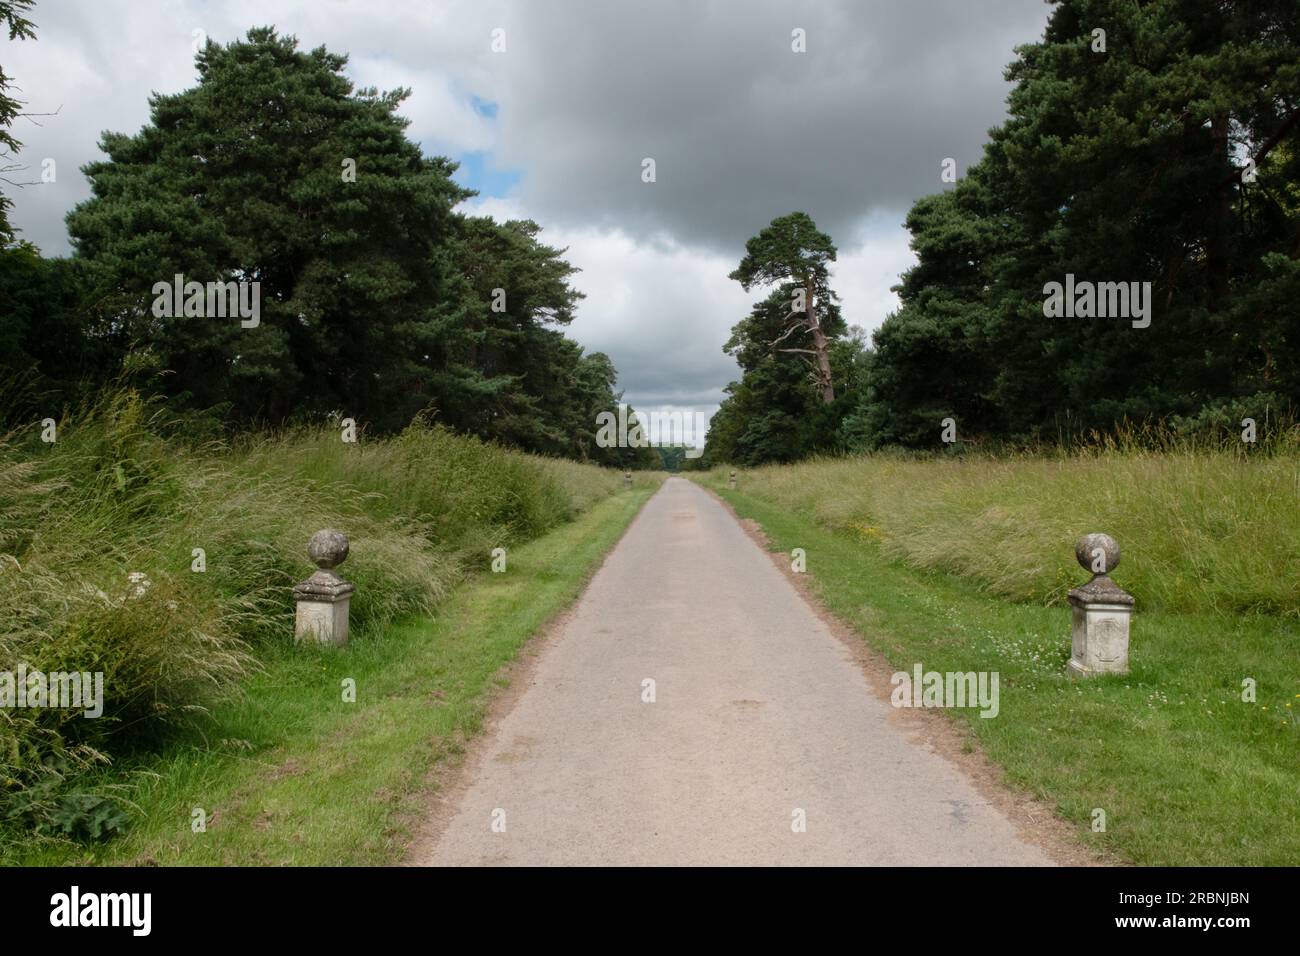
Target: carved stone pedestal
<point>1102,612</point>
<point>324,598</point>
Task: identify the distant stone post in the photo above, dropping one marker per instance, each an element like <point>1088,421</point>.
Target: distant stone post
<point>1102,612</point>
<point>731,482</point>
<point>324,597</point>
<point>627,479</point>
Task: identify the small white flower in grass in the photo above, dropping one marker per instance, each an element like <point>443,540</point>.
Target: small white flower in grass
<point>98,594</point>
<point>140,583</point>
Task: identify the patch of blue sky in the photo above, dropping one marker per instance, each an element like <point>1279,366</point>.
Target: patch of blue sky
<point>478,171</point>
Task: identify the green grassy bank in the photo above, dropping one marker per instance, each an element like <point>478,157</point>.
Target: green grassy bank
<point>130,548</point>
<point>292,774</point>
<point>921,558</point>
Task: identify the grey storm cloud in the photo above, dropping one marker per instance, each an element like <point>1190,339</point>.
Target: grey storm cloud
<point>741,129</point>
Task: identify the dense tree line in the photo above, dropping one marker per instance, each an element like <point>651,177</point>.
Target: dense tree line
<point>1151,142</point>
<point>376,299</point>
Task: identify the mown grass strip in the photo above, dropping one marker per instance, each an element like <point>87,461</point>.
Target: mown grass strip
<point>1187,773</point>
<point>291,774</point>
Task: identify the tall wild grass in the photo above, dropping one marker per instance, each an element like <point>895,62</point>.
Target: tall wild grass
<point>1203,527</point>
<point>99,533</point>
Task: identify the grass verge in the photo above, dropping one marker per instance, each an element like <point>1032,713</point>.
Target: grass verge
<point>291,774</point>
<point>1186,772</point>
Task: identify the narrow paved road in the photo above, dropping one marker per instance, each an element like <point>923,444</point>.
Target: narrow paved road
<point>759,713</point>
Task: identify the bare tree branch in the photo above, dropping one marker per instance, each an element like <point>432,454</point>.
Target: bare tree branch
<point>788,332</point>
<point>28,116</point>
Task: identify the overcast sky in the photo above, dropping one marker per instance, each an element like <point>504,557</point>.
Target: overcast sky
<point>555,128</point>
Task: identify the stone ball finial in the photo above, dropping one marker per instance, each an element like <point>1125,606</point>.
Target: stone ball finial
<point>1086,553</point>
<point>328,548</point>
